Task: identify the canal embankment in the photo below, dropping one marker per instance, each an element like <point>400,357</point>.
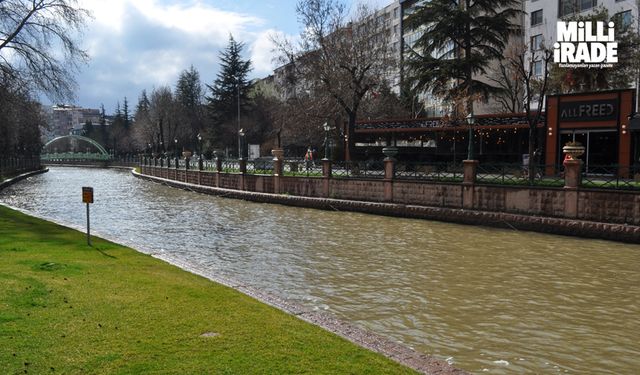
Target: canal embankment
<point>72,308</point>
<point>614,209</point>
<point>14,179</point>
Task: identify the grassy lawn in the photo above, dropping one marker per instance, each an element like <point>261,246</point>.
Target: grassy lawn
<point>69,308</point>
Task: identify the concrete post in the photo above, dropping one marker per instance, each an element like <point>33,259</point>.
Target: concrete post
<point>469,169</point>
<point>572,180</point>
<point>326,174</point>
<point>389,174</point>
<point>200,169</point>
<point>218,170</point>
<point>243,171</point>
<point>572,173</point>
<point>278,168</point>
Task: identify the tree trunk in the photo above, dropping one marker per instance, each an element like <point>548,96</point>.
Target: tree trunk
<point>350,146</point>
<point>532,161</point>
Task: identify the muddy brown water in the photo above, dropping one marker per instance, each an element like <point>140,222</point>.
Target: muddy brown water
<point>486,300</point>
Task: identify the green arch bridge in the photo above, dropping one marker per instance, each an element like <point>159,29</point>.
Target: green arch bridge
<point>68,146</point>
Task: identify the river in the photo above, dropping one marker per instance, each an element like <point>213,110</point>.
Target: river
<point>484,299</point>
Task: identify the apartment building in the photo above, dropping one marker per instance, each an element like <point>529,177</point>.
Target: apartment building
<point>68,119</point>
<point>391,17</point>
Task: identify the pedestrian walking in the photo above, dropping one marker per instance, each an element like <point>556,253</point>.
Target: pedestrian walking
<point>308,158</point>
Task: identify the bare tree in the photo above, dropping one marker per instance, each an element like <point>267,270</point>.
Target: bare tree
<point>340,60</point>
<point>144,131</point>
<point>532,68</point>
<point>20,122</point>
<point>163,119</point>
<point>38,45</point>
<point>506,76</point>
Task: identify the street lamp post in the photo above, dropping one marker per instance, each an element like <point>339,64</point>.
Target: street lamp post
<point>470,121</point>
<point>200,162</point>
<point>175,141</point>
<point>327,147</point>
<point>241,135</point>
<point>240,132</point>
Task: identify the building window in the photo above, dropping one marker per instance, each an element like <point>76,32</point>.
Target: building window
<point>536,17</point>
<point>395,12</point>
<point>395,29</point>
<point>623,19</point>
<point>566,7</point>
<point>536,42</point>
<point>537,68</point>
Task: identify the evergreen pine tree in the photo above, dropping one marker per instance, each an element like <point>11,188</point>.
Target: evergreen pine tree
<point>117,130</point>
<point>103,116</point>
<point>142,108</point>
<point>126,117</point>
<point>144,129</point>
<point>103,126</point>
<point>87,129</point>
<point>229,91</point>
<point>460,40</point>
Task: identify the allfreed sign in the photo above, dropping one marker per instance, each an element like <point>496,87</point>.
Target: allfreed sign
<point>599,110</point>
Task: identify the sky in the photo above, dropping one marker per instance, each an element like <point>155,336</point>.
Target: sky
<point>142,44</point>
<point>145,44</point>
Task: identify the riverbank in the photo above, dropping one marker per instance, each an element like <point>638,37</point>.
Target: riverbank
<point>71,308</point>
<point>12,180</point>
<point>506,220</point>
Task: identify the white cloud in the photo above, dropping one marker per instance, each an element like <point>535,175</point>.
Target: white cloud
<point>194,18</point>
<point>141,44</point>
<point>262,52</point>
<point>198,19</point>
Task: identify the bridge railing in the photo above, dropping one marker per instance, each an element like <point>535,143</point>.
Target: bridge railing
<point>74,156</point>
<point>90,158</point>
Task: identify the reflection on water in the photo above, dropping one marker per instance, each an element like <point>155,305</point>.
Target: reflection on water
<point>485,299</point>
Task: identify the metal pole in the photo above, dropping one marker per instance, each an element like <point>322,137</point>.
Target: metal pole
<point>88,227</point>
<point>238,125</point>
<point>326,144</point>
<point>470,150</point>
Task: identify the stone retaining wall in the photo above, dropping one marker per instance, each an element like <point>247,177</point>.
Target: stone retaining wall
<point>613,215</point>
<point>20,177</point>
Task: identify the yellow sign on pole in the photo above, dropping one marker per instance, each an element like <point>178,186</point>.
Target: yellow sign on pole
<point>87,194</point>
<point>87,197</point>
